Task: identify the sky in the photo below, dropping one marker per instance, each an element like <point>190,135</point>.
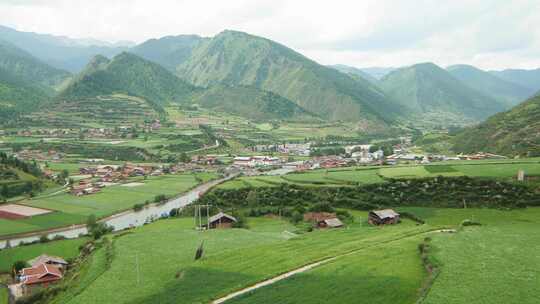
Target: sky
<point>490,34</point>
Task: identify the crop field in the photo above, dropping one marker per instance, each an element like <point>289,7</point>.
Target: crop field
<point>65,248</point>
<point>373,265</point>
<point>368,175</point>
<point>71,209</point>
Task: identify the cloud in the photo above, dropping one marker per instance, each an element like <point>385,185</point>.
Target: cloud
<point>491,34</point>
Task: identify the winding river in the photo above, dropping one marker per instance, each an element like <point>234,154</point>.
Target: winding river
<point>121,220</point>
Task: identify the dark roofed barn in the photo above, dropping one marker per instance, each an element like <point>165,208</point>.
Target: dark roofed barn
<point>383,217</point>
<point>221,220</point>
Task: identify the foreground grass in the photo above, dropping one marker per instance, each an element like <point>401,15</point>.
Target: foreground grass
<point>3,295</point>
<point>233,259</point>
<point>369,276</point>
<point>66,249</point>
<point>492,264</point>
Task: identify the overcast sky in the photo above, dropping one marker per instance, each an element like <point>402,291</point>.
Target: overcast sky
<point>491,34</point>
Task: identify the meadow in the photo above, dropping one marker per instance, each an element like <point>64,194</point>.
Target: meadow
<point>233,258</point>
<point>373,265</point>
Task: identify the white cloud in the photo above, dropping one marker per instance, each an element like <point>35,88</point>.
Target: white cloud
<point>487,33</point>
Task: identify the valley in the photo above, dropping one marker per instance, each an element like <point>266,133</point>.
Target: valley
<point>234,169</point>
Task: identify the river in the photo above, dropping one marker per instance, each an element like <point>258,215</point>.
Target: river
<point>121,220</point>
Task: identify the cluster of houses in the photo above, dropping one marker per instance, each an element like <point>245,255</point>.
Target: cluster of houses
<point>85,187</point>
<point>256,161</point>
<point>303,149</point>
<point>114,173</point>
<point>38,155</point>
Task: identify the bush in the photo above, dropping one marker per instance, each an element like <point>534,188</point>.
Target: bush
<point>44,239</point>
<point>470,223</point>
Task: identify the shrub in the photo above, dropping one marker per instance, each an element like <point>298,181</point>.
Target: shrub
<point>44,239</point>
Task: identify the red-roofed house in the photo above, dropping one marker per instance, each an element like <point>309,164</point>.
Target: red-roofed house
<point>40,276</point>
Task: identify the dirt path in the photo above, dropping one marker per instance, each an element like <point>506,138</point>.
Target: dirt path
<point>314,265</point>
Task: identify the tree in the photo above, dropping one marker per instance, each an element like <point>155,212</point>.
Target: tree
<point>19,265</point>
<point>251,198</point>
<point>184,158</point>
<point>5,191</point>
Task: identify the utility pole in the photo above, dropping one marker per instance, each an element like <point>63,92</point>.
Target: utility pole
<point>137,267</point>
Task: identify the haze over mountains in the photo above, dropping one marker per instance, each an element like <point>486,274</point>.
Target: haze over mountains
<point>254,77</point>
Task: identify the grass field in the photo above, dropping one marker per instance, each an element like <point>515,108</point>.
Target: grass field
<point>71,209</point>
<point>370,276</point>
<point>233,258</point>
<point>3,295</point>
<point>65,248</point>
<point>492,264</point>
<point>374,265</point>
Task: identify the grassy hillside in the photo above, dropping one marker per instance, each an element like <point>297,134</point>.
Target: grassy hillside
<point>504,91</point>
<point>427,89</point>
<point>169,51</point>
<point>130,74</point>
<point>515,132</point>
<point>236,58</point>
<point>249,102</point>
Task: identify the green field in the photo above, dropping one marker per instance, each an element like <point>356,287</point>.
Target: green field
<point>3,295</point>
<point>233,258</point>
<point>372,265</point>
<point>367,175</point>
<point>65,248</point>
<point>70,209</point>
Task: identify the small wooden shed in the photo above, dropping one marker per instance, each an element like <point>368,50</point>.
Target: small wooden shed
<point>221,220</point>
<point>323,219</point>
<point>383,217</point>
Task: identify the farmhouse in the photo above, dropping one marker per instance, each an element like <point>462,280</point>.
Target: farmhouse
<point>383,217</point>
<point>38,277</point>
<point>323,219</point>
<point>49,260</point>
<point>221,220</point>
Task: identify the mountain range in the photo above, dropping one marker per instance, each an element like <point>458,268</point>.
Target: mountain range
<point>253,77</point>
<point>427,90</point>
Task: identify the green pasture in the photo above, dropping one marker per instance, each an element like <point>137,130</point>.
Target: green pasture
<point>369,276</point>
<point>491,264</point>
<point>233,258</point>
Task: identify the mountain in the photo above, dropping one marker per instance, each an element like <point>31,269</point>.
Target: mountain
<point>249,102</point>
<point>355,71</point>
<point>169,51</point>
<point>236,58</point>
<point>59,51</point>
<point>20,64</point>
<point>431,92</point>
<point>515,132</point>
<point>490,85</point>
<point>526,78</point>
<point>129,74</point>
<point>133,82</point>
<point>377,72</point>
